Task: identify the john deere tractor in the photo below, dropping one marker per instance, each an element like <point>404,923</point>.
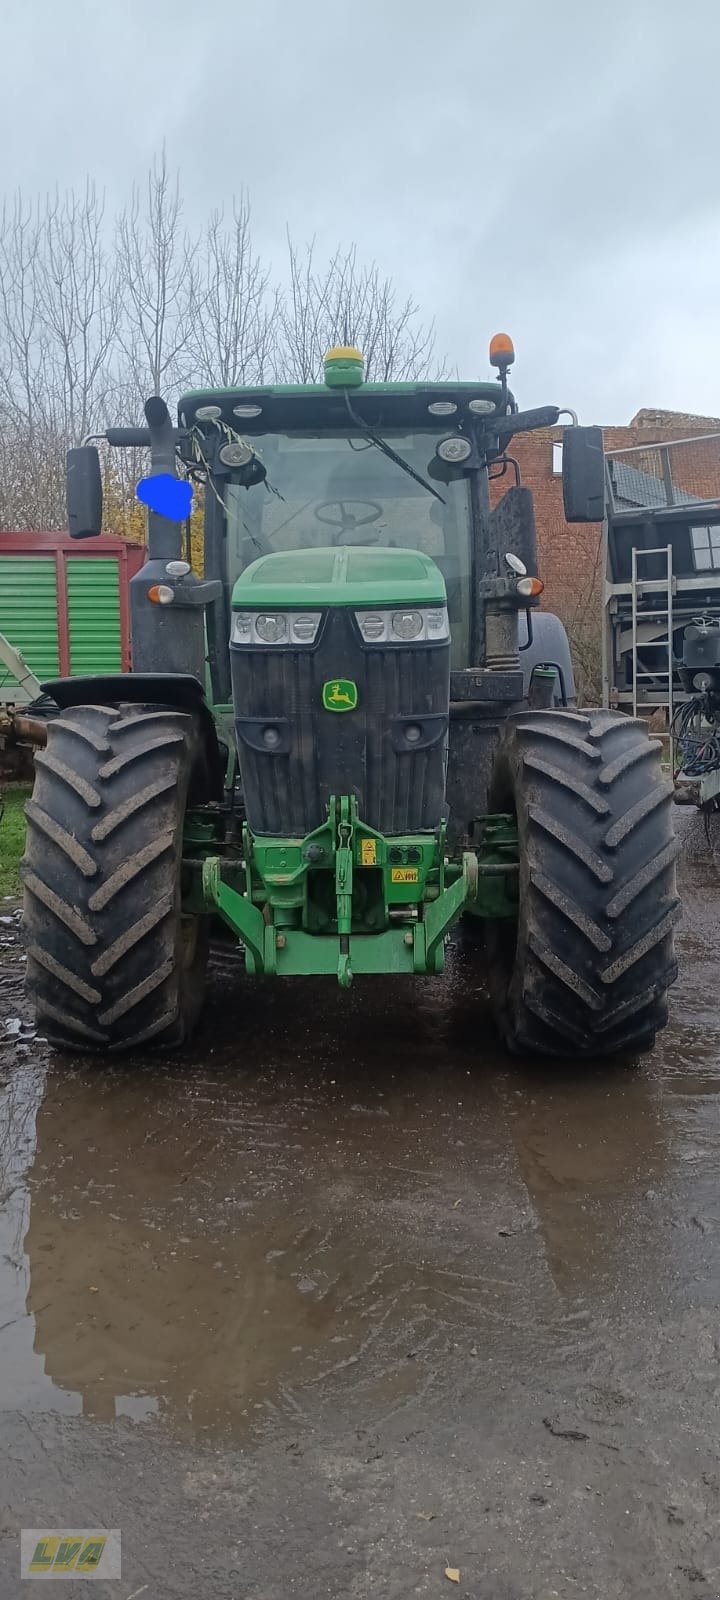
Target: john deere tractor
<point>356,729</point>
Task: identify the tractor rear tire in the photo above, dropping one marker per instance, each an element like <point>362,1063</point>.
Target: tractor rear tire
<point>112,962</point>
<point>586,969</point>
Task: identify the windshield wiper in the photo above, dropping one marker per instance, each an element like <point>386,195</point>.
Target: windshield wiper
<point>391,454</point>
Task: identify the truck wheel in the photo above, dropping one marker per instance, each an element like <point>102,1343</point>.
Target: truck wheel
<point>586,969</point>
<point>112,962</point>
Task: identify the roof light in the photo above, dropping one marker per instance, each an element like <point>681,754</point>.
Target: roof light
<point>502,352</point>
<point>208,413</point>
<point>247,410</point>
<point>236,454</point>
<point>454,449</point>
<point>480,407</point>
<point>442,408</point>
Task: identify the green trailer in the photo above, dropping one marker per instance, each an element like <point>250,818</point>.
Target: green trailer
<point>66,609</point>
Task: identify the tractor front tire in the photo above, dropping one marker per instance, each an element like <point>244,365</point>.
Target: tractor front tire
<point>112,962</point>
<point>586,969</point>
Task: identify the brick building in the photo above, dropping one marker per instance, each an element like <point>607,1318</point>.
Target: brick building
<point>571,554</point>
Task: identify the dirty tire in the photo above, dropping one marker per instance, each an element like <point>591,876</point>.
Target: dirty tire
<point>587,969</point>
<point>112,963</point>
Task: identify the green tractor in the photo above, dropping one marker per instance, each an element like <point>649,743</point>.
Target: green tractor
<point>355,730</point>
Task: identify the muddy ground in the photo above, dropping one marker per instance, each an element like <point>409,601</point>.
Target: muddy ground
<point>343,1297</point>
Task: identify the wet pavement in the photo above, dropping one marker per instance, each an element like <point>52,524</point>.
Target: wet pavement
<point>344,1296</point>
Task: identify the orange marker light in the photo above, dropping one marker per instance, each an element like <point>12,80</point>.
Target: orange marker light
<point>502,350</point>
<point>161,594</point>
<point>530,586</point>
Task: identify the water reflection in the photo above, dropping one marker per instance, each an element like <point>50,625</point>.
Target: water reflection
<point>362,1202</point>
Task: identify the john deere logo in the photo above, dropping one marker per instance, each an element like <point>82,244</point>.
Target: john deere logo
<point>340,694</point>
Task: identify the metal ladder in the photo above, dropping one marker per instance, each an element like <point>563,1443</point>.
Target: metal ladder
<point>664,588</point>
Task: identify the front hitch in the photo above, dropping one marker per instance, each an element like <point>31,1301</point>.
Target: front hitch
<point>394,901</point>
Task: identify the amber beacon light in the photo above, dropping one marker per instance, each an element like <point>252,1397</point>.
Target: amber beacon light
<point>502,350</point>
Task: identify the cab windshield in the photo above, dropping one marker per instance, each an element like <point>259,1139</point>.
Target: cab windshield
<point>332,489</point>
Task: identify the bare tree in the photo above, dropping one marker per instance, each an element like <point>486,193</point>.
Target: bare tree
<point>95,317</point>
<point>22,345</point>
<point>158,286</point>
<point>32,479</point>
<point>57,325</point>
<point>78,303</point>
<point>343,302</point>
<point>29,446</point>
<point>233,340</point>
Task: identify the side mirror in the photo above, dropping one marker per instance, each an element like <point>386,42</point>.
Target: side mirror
<point>83,483</point>
<point>583,475</point>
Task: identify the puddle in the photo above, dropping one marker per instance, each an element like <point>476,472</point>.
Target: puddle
<point>333,1197</point>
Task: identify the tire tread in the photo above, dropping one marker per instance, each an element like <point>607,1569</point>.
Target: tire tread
<point>102,918</point>
<point>589,970</point>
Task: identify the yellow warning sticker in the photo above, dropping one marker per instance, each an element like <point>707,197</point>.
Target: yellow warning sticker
<point>404,875</point>
<point>368,853</point>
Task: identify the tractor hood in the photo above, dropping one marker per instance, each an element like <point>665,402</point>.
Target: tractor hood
<point>359,576</point>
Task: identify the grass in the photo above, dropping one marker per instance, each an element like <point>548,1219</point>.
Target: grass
<point>12,836</point>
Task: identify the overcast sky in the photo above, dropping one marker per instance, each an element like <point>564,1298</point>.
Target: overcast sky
<point>553,171</point>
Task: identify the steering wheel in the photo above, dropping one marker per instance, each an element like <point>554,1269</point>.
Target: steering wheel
<point>348,523</point>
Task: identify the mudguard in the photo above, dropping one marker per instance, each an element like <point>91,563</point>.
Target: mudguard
<point>179,690</point>
<point>550,645</point>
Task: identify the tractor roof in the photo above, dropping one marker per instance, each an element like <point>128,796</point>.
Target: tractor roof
<point>277,407</point>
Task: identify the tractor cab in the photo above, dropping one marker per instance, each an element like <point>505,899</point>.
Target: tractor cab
<point>318,467</point>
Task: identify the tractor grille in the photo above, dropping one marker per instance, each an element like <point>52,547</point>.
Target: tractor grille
<point>399,783</point>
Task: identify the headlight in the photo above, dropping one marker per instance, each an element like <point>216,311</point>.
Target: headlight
<point>275,627</point>
<point>454,449</point>
<point>304,626</point>
<point>372,625</point>
<point>242,631</point>
<point>271,627</point>
<point>407,626</point>
<point>436,623</point>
